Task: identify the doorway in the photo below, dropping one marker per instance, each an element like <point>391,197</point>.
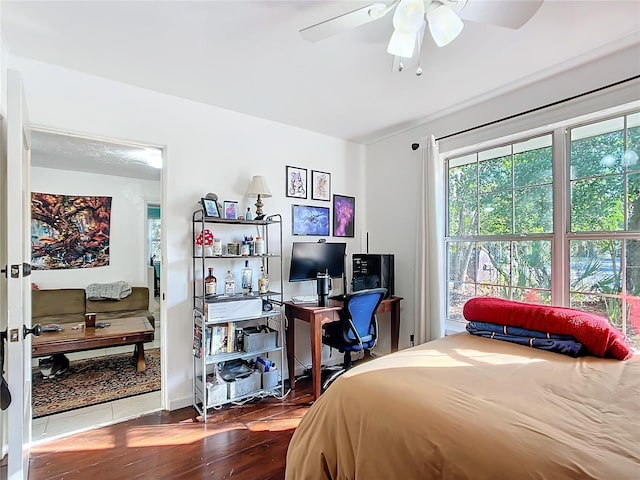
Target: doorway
<point>68,164</point>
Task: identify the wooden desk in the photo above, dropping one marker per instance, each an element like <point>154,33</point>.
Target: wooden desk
<point>319,316</point>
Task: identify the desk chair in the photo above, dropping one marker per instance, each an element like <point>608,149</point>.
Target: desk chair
<point>357,329</point>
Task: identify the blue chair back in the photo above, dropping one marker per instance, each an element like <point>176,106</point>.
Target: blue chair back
<point>361,308</point>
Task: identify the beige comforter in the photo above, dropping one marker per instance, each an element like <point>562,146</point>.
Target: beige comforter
<point>466,407</point>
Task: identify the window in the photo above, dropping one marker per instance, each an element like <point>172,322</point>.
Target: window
<point>154,233</point>
<point>508,228</point>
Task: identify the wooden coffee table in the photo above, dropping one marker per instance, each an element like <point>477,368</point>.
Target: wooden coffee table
<point>122,331</point>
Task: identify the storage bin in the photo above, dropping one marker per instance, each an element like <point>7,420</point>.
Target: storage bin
<point>216,393</point>
<point>256,338</point>
<point>270,379</point>
<point>244,386</point>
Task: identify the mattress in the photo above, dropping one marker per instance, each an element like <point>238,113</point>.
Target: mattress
<point>466,407</point>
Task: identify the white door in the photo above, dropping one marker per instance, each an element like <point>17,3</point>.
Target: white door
<point>17,285</point>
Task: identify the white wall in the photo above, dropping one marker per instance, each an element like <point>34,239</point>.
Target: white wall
<point>3,149</point>
<point>392,166</point>
<point>128,243</point>
<point>207,150</point>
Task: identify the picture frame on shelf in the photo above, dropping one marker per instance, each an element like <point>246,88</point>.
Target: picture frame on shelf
<point>210,207</point>
<point>310,220</point>
<point>230,210</point>
<point>296,182</point>
<point>344,216</point>
<point>320,186</point>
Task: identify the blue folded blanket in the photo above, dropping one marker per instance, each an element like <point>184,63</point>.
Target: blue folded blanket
<point>564,344</point>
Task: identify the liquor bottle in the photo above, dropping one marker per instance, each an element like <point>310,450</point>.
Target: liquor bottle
<point>247,278</point>
<point>229,284</point>
<point>210,283</point>
<point>263,281</point>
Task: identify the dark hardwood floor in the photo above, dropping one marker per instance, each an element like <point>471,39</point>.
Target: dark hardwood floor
<point>246,442</point>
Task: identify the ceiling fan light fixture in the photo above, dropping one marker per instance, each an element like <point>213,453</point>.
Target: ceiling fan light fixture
<point>409,16</point>
<point>444,24</point>
<point>402,44</point>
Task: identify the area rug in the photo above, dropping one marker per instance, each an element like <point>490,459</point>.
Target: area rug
<point>93,381</point>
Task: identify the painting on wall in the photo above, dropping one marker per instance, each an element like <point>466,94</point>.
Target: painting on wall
<point>69,232</point>
<point>344,216</point>
<point>320,185</point>
<point>309,220</point>
<point>296,182</point>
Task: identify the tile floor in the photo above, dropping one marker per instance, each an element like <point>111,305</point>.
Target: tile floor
<point>66,423</point>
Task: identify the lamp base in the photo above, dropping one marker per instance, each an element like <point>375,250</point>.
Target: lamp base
<point>259,206</point>
<point>259,217</point>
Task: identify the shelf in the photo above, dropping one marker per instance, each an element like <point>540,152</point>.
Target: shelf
<point>198,217</point>
<point>263,316</point>
<point>267,255</point>
<point>237,296</point>
<point>262,391</point>
<point>223,357</point>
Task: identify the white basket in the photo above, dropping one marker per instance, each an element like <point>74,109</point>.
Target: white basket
<point>270,379</point>
<point>244,386</point>
<point>216,393</point>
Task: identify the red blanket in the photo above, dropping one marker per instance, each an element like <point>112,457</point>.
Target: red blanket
<point>593,331</point>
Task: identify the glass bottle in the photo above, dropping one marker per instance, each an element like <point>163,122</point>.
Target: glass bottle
<point>259,247</point>
<point>247,278</point>
<point>248,215</point>
<point>210,283</point>
<point>229,284</point>
<point>263,281</point>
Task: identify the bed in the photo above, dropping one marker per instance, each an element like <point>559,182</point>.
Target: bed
<point>467,407</point>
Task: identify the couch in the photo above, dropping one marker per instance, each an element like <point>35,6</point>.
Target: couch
<point>68,305</point>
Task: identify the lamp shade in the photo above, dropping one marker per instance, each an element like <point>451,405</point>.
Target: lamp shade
<point>444,24</point>
<point>258,186</point>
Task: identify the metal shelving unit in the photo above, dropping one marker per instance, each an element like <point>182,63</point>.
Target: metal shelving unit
<point>208,394</point>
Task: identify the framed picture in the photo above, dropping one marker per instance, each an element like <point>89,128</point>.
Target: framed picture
<point>320,186</point>
<point>296,182</point>
<point>309,220</point>
<point>344,216</point>
<point>210,207</point>
<point>230,210</point>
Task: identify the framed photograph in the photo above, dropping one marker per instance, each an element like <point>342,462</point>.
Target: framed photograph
<point>230,210</point>
<point>344,216</point>
<point>296,182</point>
<point>210,207</point>
<point>320,186</point>
<point>309,220</point>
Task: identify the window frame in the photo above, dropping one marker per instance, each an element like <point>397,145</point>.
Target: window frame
<point>561,236</point>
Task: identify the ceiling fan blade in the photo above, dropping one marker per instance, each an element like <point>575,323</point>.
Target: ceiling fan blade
<point>345,22</point>
<point>504,13</point>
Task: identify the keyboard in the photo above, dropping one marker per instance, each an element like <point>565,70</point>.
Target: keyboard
<point>305,299</point>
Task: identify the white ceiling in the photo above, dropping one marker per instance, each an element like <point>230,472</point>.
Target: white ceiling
<point>79,154</point>
<point>248,56</point>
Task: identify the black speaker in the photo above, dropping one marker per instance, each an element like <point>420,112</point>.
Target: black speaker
<point>371,270</point>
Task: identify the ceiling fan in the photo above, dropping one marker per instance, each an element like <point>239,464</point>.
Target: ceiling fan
<point>411,18</point>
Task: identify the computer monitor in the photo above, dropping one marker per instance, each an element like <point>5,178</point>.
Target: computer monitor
<point>309,258</point>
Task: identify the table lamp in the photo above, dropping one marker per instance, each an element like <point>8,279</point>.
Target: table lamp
<point>259,188</point>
